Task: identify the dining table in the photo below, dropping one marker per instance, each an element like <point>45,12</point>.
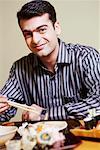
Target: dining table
<point>88,145</point>
<point>84,144</point>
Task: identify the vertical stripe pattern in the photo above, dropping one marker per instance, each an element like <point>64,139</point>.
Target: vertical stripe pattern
<point>69,92</point>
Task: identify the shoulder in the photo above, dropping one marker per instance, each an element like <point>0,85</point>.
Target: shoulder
<point>80,47</point>
<point>24,62</point>
<point>25,59</point>
<point>82,50</point>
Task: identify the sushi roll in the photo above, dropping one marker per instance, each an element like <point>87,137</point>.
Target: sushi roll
<point>49,137</point>
<point>45,138</point>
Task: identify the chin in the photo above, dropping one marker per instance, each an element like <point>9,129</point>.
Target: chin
<point>44,54</point>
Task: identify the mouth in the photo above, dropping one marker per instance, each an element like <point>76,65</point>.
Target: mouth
<point>39,47</point>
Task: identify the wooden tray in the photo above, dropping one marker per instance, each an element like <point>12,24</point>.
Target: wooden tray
<point>93,133</point>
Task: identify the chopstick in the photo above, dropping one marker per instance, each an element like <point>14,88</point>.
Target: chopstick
<point>22,106</point>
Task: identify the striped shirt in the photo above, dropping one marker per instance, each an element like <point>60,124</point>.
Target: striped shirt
<point>70,91</point>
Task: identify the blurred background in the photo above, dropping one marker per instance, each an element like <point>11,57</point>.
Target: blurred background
<point>79,20</point>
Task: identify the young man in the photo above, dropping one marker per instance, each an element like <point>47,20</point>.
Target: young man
<point>63,79</point>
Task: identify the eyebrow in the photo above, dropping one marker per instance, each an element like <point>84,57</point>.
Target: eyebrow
<point>34,29</point>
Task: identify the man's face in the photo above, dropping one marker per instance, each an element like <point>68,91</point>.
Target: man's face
<point>40,34</point>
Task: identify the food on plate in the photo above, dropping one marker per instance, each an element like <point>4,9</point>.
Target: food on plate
<point>13,144</point>
<point>49,136</point>
<point>40,135</point>
<point>92,119</point>
<point>28,140</point>
<point>93,133</point>
<point>89,123</point>
<point>90,129</point>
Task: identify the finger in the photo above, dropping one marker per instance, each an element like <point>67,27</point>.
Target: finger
<point>4,96</point>
<point>3,104</point>
<point>3,99</point>
<point>2,109</point>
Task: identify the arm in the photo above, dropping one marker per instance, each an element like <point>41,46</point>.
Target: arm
<point>90,72</point>
<point>53,113</point>
<point>10,90</point>
<point>91,80</point>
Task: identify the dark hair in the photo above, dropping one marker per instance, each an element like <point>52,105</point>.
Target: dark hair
<point>36,8</point>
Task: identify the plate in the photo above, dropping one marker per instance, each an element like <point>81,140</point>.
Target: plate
<point>71,141</point>
<point>59,125</point>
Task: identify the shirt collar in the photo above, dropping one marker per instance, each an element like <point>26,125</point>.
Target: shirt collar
<point>64,54</point>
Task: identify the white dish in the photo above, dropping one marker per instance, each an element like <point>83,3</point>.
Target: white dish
<point>7,133</point>
<point>59,125</point>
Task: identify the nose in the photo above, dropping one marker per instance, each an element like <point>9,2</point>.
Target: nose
<point>36,38</point>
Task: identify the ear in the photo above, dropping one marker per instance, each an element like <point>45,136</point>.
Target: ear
<point>57,28</point>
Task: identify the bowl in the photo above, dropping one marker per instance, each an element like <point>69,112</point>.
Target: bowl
<point>7,133</point>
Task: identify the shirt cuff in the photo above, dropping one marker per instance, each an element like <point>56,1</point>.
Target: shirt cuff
<point>44,114</point>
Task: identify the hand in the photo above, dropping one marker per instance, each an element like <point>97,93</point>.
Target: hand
<point>3,104</point>
<point>30,116</point>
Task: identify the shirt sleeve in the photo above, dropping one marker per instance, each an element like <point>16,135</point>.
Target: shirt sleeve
<point>91,80</point>
<point>12,91</point>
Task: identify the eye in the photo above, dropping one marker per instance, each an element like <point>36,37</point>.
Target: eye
<point>27,34</point>
<point>42,30</point>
